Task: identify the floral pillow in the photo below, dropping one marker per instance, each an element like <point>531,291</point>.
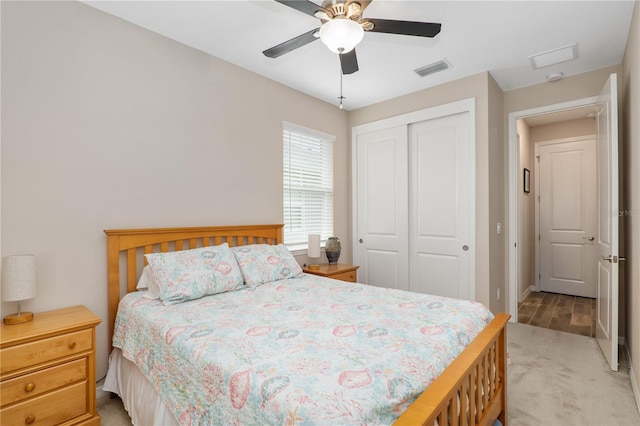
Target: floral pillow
<point>263,263</point>
<point>192,274</point>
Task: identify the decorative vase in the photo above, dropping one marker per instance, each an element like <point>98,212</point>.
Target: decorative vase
<point>332,248</point>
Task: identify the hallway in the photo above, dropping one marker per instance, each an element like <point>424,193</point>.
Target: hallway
<point>560,312</point>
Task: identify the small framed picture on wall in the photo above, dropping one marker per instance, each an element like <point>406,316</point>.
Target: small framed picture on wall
<point>527,181</point>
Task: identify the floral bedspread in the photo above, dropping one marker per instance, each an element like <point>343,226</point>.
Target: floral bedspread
<point>306,350</point>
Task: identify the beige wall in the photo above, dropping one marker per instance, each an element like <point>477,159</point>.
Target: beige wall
<point>568,89</point>
<point>630,160</point>
<point>108,125</point>
<point>563,129</point>
<point>497,206</point>
<point>477,86</point>
<point>526,207</point>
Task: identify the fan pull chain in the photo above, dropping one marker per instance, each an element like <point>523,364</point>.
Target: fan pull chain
<point>341,97</point>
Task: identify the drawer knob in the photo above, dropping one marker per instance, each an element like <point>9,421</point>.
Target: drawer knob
<point>72,345</point>
<point>30,419</point>
<point>29,387</point>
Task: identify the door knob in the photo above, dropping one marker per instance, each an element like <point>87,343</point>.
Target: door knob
<point>588,238</point>
<point>465,247</point>
<point>361,241</point>
<point>613,259</point>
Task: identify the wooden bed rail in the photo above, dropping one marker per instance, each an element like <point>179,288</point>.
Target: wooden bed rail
<point>134,243</point>
<point>472,390</point>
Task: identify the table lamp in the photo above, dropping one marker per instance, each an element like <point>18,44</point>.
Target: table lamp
<point>18,283</point>
<point>313,250</point>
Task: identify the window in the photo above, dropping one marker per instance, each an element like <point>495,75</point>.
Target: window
<point>307,185</point>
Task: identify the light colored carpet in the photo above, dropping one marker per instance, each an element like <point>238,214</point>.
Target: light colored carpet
<point>557,378</point>
<point>554,379</point>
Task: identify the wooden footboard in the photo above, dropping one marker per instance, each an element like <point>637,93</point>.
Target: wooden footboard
<point>472,390</point>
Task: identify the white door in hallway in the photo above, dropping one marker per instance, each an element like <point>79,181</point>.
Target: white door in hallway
<point>567,191</point>
<point>608,209</point>
<point>382,188</point>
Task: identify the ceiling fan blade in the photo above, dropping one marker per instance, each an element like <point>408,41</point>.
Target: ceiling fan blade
<point>290,45</point>
<point>422,29</point>
<point>303,6</point>
<point>349,62</point>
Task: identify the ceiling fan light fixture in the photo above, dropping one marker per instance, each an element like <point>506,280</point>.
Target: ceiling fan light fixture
<point>341,35</point>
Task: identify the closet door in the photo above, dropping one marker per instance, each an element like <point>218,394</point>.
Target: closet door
<point>382,202</point>
<point>442,206</point>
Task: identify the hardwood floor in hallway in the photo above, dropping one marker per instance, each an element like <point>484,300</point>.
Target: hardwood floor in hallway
<point>561,312</point>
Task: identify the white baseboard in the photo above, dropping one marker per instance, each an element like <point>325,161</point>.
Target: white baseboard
<point>634,384</point>
<point>526,293</point>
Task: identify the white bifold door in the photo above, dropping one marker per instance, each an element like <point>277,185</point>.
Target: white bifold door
<point>415,203</point>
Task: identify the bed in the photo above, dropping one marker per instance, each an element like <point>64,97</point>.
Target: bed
<point>467,387</point>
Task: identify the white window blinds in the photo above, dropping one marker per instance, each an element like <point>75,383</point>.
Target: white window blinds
<point>307,185</point>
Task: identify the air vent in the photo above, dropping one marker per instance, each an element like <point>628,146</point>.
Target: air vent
<point>441,65</point>
<point>555,56</point>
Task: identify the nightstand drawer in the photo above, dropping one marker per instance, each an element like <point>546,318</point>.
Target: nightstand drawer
<point>48,409</point>
<point>42,381</point>
<point>350,276</point>
<point>32,354</point>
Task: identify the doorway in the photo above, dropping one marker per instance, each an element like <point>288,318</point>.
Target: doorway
<point>522,267</point>
<point>605,108</point>
<point>557,280</point>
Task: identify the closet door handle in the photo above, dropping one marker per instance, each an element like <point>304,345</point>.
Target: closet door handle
<point>465,247</point>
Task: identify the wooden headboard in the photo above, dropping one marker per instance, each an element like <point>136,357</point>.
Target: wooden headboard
<point>126,249</point>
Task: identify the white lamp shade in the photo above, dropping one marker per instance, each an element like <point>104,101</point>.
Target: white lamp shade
<point>18,277</point>
<point>313,250</point>
<point>341,35</point>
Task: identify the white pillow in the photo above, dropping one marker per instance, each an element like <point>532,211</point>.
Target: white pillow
<point>149,282</point>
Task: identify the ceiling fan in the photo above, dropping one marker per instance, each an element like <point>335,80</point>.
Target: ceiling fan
<point>343,28</point>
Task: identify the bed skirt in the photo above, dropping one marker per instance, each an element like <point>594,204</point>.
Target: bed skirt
<point>138,395</point>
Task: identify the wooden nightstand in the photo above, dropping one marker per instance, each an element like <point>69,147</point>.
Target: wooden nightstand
<point>338,271</point>
<point>47,369</point>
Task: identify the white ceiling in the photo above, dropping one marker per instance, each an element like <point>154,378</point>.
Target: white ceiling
<point>476,36</point>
